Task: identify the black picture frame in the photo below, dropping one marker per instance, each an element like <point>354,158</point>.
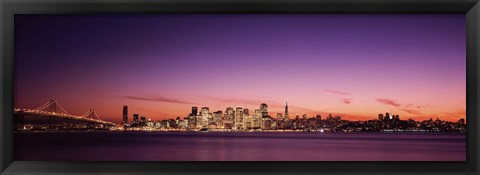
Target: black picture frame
<point>9,8</point>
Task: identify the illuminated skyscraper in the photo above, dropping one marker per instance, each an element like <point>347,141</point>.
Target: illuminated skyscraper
<point>229,118</point>
<point>205,111</point>
<point>264,109</point>
<point>217,119</point>
<point>286,110</point>
<point>205,115</point>
<point>125,115</point>
<point>257,119</point>
<point>177,120</point>
<point>239,118</point>
<point>192,118</point>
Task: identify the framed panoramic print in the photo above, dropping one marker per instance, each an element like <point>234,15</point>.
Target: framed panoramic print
<point>221,87</point>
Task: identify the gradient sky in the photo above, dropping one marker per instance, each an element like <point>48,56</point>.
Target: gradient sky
<point>160,66</point>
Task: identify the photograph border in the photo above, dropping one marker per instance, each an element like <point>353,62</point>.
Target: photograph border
<point>9,8</point>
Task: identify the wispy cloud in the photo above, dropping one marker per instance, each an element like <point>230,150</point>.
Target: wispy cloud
<point>157,99</point>
<point>347,100</point>
<point>412,111</point>
<point>388,102</point>
<point>336,92</point>
<point>456,113</point>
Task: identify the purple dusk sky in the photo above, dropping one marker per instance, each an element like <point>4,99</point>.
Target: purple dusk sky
<point>161,65</point>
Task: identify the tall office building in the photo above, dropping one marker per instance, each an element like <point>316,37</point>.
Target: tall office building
<point>192,118</point>
<point>143,121</point>
<point>380,117</point>
<point>245,111</point>
<point>239,118</point>
<point>135,119</point>
<point>229,118</point>
<point>257,119</point>
<point>194,111</point>
<point>125,115</point>
<point>218,119</point>
<point>286,109</point>
<point>205,115</point>
<point>264,109</point>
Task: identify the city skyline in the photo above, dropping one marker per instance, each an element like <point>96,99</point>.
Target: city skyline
<point>128,116</point>
<point>240,119</point>
<point>348,65</point>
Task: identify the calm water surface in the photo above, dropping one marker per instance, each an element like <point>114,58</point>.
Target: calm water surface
<point>197,146</point>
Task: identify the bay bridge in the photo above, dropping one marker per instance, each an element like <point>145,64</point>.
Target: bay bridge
<point>52,116</point>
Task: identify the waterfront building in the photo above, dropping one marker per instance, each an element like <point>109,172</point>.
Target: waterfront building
<point>135,120</point>
<point>143,121</point>
<point>194,111</point>
<point>158,125</point>
<point>266,123</point>
<point>286,110</point>
<point>192,118</point>
<point>257,119</point>
<point>177,120</point>
<point>150,124</point>
<point>125,115</point>
<point>217,119</point>
<point>205,115</point>
<point>229,118</point>
<point>239,118</point>
<point>184,123</point>
<point>264,109</point>
<point>247,121</point>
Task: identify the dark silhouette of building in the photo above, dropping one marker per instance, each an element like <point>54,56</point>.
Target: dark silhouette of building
<point>194,111</point>
<point>380,117</point>
<point>135,120</point>
<point>286,109</point>
<point>143,121</point>
<point>125,115</point>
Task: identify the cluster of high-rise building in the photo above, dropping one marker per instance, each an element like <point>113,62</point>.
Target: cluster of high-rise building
<point>242,119</point>
<point>232,119</point>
